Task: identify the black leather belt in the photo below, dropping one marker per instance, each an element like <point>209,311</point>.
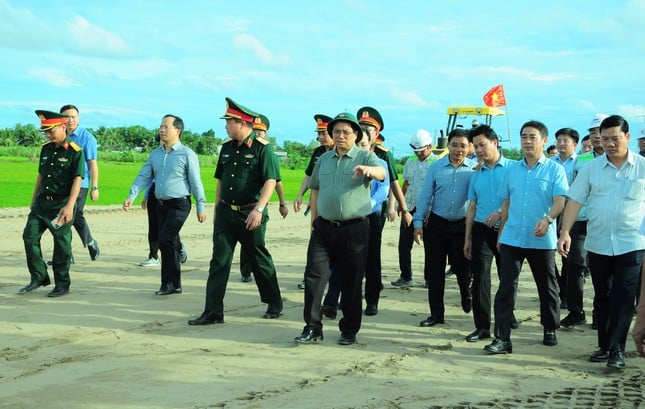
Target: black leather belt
<point>342,223</point>
<point>237,208</point>
<point>172,202</point>
<point>51,198</point>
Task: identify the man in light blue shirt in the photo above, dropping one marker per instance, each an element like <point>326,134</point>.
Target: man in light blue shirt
<point>87,142</point>
<point>533,192</point>
<point>613,188</point>
<point>443,201</point>
<point>482,224</point>
<point>175,168</point>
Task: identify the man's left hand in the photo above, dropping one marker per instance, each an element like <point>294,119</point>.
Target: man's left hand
<point>254,220</point>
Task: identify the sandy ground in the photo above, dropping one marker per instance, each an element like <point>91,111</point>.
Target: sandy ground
<point>111,343</point>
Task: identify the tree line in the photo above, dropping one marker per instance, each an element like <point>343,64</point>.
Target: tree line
<point>125,140</point>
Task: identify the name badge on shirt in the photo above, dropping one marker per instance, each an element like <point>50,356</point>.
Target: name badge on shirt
<point>63,159</point>
<point>249,156</point>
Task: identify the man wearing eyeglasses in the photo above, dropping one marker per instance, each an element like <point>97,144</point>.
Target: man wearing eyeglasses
<point>340,203</point>
<point>175,169</point>
<point>60,170</point>
<point>613,189</point>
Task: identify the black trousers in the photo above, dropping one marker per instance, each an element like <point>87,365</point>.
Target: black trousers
<point>445,239</point>
<point>576,266</point>
<point>346,248</point>
<point>406,242</point>
<point>171,216</point>
<point>542,263</point>
<point>373,281</point>
<point>80,224</point>
<point>615,280</point>
<point>153,226</point>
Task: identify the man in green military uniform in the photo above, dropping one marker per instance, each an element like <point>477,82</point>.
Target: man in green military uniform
<point>60,172</point>
<point>261,125</point>
<point>372,123</point>
<point>246,172</point>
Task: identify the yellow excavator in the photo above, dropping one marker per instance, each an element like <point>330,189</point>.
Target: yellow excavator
<point>459,112</point>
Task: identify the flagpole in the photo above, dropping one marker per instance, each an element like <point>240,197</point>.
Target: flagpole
<point>508,125</point>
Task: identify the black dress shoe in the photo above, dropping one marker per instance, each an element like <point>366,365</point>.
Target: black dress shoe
<point>58,292</point>
<point>35,284</point>
<point>247,279</point>
<point>514,323</point>
<point>168,289</point>
<point>478,335</point>
<point>347,339</point>
<point>94,250</point>
<point>500,346</point>
<point>601,355</point>
<point>431,322</point>
<point>309,336</point>
<point>207,318</point>
<point>549,338</point>
<point>616,360</point>
<point>371,309</point>
<point>274,310</point>
<point>328,312</point>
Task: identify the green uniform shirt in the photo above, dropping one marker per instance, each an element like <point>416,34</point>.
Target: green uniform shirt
<point>59,166</point>
<point>383,153</point>
<point>242,170</point>
<point>340,196</point>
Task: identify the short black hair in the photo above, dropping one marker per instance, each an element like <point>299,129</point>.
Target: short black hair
<point>551,148</point>
<point>458,133</point>
<point>537,125</point>
<point>177,122</point>
<point>615,120</point>
<point>68,106</point>
<point>485,130</point>
<point>586,138</point>
<point>570,132</point>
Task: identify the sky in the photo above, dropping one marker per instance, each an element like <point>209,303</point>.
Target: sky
<point>131,62</point>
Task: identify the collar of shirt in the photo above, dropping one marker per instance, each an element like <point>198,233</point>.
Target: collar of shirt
<point>540,161</point>
<point>631,160</point>
<point>351,152</point>
<point>467,162</point>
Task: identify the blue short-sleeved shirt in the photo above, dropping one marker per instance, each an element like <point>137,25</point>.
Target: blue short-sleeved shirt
<point>615,201</point>
<point>483,188</point>
<point>531,192</point>
<point>88,144</point>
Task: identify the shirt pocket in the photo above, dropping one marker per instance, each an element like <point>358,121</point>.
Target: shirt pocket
<point>634,189</point>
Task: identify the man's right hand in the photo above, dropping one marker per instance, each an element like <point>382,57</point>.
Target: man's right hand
<point>297,203</point>
<point>126,204</point>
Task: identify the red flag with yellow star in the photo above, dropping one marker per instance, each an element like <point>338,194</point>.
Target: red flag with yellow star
<point>495,96</point>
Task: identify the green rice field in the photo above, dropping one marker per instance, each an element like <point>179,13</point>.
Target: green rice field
<point>18,176</point>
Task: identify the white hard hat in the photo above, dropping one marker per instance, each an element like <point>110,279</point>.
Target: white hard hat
<point>597,120</point>
<point>421,140</point>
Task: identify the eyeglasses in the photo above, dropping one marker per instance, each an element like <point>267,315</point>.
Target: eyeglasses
<point>344,132</point>
<point>164,127</point>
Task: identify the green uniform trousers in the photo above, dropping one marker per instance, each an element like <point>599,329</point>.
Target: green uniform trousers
<point>40,219</point>
<point>228,230</point>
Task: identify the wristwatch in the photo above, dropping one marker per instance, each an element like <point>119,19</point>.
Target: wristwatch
<point>95,188</point>
<point>259,209</point>
<point>549,218</point>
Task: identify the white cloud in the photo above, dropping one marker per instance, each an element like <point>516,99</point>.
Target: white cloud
<point>93,40</point>
<point>409,97</point>
<point>260,51</point>
<point>54,77</point>
<point>632,111</point>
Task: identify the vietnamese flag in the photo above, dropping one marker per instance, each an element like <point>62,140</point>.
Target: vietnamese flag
<point>495,96</point>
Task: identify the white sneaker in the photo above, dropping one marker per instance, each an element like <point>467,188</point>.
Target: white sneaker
<point>151,262</point>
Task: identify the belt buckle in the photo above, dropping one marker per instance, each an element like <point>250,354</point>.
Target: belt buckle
<point>235,208</point>
<point>335,223</point>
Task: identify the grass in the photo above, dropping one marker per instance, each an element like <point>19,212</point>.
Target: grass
<point>18,176</point>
